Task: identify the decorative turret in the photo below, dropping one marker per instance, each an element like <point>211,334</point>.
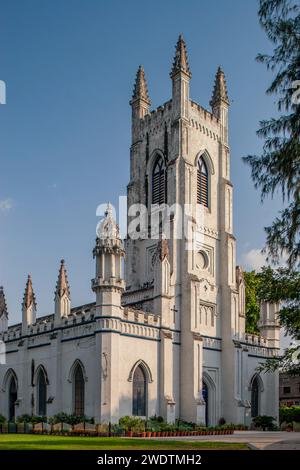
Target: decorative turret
<point>28,306</point>
<point>220,103</point>
<point>3,312</point>
<point>140,101</point>
<point>108,283</point>
<point>180,63</point>
<point>62,297</point>
<point>269,325</point>
<point>181,76</point>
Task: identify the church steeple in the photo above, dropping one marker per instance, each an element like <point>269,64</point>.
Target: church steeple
<point>181,76</point>
<point>62,293</point>
<point>180,63</point>
<point>28,306</point>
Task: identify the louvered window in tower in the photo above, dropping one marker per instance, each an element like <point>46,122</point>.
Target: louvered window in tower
<point>159,182</point>
<point>202,183</point>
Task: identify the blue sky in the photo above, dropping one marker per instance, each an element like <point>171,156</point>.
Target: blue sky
<point>69,67</point>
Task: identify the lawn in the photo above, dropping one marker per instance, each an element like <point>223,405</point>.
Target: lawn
<point>39,442</point>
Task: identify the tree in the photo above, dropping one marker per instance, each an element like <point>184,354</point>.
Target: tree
<point>283,285</point>
<point>252,304</point>
<point>278,168</point>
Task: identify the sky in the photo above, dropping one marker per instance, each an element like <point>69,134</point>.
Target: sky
<point>69,68</point>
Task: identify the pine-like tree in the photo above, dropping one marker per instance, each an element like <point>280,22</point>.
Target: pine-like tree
<point>278,168</point>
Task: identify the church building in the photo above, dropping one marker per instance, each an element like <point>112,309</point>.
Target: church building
<point>166,333</point>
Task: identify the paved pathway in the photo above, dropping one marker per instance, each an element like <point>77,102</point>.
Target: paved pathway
<point>256,439</point>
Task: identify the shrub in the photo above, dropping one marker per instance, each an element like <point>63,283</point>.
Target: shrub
<point>70,419</point>
<point>2,419</point>
<point>222,421</point>
<point>26,418</point>
<point>289,414</point>
<point>132,423</point>
<point>264,422</point>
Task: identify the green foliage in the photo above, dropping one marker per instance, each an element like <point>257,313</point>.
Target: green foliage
<point>252,281</point>
<point>69,419</point>
<point>132,423</point>
<point>33,419</point>
<point>289,414</point>
<point>283,285</point>
<point>264,422</point>
<point>2,419</point>
<point>277,169</point>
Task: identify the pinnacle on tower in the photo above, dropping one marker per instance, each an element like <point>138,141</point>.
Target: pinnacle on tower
<point>220,89</point>
<point>3,306</point>
<point>62,285</point>
<point>140,90</point>
<point>29,297</point>
<point>180,63</point>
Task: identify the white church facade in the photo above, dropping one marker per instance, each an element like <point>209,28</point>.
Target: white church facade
<point>167,337</point>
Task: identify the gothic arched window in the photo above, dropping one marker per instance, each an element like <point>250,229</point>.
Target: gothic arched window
<point>139,392</point>
<point>12,398</point>
<point>255,392</point>
<point>42,393</point>
<point>78,390</point>
<point>202,183</point>
<point>159,182</point>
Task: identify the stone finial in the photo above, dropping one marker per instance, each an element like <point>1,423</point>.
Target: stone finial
<point>62,285</point>
<point>3,306</point>
<point>29,297</point>
<point>140,90</point>
<point>180,63</point>
<point>108,228</point>
<point>220,89</point>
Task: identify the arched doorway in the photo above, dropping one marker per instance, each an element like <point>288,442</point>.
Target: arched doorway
<point>78,390</point>
<point>205,396</point>
<point>139,395</point>
<point>41,393</point>
<point>255,396</point>
<point>12,398</point>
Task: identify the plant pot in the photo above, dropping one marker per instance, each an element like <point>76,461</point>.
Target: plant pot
<point>149,433</point>
<point>158,434</point>
<point>129,433</point>
<point>143,434</point>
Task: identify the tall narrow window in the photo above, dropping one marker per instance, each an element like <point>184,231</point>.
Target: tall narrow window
<point>139,392</point>
<point>202,183</point>
<point>42,393</point>
<point>255,390</point>
<point>159,182</point>
<point>78,391</point>
<point>12,398</point>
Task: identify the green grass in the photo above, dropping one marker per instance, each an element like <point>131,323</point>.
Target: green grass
<point>39,442</point>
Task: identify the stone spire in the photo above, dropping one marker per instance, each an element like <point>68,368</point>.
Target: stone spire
<point>3,313</point>
<point>180,63</point>
<point>140,90</point>
<point>220,89</point>
<point>62,285</point>
<point>29,297</point>
<point>28,307</point>
<point>62,299</point>
<point>3,306</point>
